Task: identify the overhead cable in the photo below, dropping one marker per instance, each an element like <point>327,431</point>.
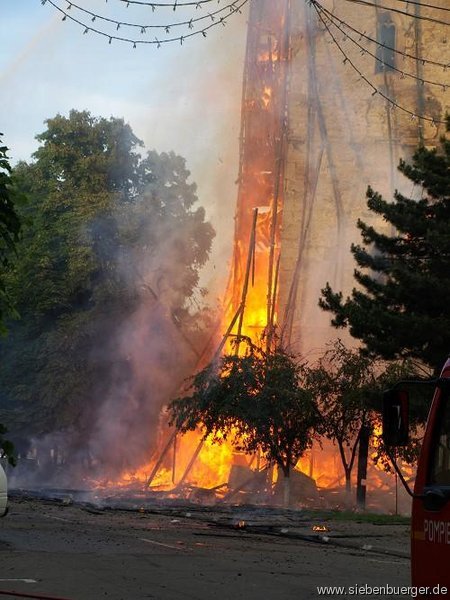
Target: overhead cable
<point>402,12</point>
<point>363,34</point>
<point>375,90</point>
<point>424,5</point>
<point>380,60</point>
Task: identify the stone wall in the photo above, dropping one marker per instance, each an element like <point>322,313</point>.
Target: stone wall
<point>341,138</point>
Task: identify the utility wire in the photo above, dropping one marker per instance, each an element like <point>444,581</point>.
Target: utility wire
<point>380,60</point>
<point>402,12</point>
<point>375,90</point>
<point>363,34</point>
<point>423,5</point>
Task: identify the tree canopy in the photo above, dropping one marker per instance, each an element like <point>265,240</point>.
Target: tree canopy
<point>400,308</point>
<point>348,387</point>
<point>258,400</point>
<point>341,382</point>
<point>10,228</point>
<point>108,231</point>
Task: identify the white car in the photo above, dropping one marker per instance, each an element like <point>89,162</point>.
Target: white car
<point>3,492</point>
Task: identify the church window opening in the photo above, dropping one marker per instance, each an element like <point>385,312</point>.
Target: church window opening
<point>386,40</point>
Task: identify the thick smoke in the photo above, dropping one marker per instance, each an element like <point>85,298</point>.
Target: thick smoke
<point>153,354</point>
<point>144,351</point>
<point>188,99</point>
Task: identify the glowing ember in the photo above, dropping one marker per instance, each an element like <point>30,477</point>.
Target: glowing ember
<point>320,528</point>
<point>266,97</point>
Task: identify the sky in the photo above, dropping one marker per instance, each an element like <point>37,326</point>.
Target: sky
<point>184,98</point>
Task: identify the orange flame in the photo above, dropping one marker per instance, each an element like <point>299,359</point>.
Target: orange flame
<point>260,186</point>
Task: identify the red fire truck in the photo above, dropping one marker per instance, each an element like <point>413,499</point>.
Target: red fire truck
<point>430,531</point>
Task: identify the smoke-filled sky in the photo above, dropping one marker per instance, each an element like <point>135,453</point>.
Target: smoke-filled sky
<point>182,98</point>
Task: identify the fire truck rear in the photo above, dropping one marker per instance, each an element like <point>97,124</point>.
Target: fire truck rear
<point>430,530</point>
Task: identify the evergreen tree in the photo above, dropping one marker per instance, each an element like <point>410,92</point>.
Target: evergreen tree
<point>401,307</point>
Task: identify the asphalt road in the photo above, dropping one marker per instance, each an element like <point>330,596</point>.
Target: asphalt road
<point>68,552</point>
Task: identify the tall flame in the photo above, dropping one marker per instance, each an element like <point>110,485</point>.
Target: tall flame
<point>251,295</point>
<point>251,298</point>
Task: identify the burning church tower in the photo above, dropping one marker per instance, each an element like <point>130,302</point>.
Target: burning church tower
<point>334,94</point>
<point>332,98</point>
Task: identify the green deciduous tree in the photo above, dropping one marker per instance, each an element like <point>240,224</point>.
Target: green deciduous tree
<point>341,381</point>
<point>400,308</point>
<point>348,387</point>
<point>10,228</point>
<point>83,168</point>
<point>420,398</point>
<point>259,400</point>
<point>108,231</point>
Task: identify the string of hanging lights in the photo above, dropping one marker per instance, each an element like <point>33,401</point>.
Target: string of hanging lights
<point>210,16</point>
<point>172,5</point>
<point>213,19</point>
